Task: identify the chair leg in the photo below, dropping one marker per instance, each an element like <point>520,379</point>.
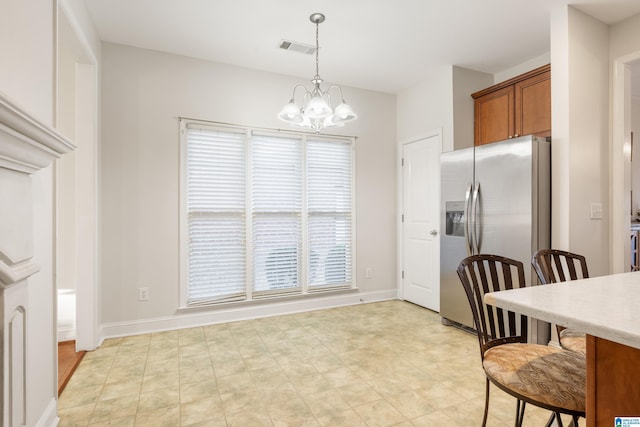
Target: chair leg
<point>553,417</point>
<point>520,412</point>
<point>486,404</point>
<point>556,416</point>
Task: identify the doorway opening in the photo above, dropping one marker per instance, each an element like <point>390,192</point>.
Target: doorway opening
<point>75,193</point>
<point>625,119</point>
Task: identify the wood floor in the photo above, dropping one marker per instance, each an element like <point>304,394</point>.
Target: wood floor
<point>68,361</point>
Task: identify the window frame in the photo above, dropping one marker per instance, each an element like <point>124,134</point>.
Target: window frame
<point>305,290</point>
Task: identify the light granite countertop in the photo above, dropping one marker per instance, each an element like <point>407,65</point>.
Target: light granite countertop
<point>606,307</point>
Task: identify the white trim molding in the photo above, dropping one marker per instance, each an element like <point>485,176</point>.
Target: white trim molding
<point>26,144</point>
<point>10,274</point>
<point>230,313</point>
<point>49,417</point>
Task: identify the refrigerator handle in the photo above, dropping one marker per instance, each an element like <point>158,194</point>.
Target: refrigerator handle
<point>477,225</point>
<point>467,220</point>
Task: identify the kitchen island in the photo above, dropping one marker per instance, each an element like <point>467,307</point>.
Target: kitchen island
<point>607,309</point>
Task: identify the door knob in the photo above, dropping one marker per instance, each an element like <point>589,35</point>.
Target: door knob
<point>434,233</point>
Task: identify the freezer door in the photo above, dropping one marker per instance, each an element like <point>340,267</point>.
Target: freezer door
<point>456,168</point>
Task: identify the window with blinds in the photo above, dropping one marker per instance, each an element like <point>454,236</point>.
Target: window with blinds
<point>266,213</point>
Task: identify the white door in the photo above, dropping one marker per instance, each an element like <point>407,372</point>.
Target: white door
<point>421,224</point>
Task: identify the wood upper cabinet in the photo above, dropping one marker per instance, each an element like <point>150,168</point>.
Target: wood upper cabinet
<point>495,116</point>
<point>519,106</point>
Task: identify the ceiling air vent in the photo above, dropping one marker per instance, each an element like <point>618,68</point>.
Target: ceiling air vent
<point>297,47</point>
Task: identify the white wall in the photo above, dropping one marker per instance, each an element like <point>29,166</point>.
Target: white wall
<point>143,94</point>
<point>428,106</point>
<point>78,15</point>
<point>441,100</point>
<point>625,37</point>
<point>583,49</point>
<point>526,66</point>
<point>466,82</point>
<point>560,128</point>
<point>26,33</point>
<point>589,138</point>
<point>66,174</point>
<point>580,111</point>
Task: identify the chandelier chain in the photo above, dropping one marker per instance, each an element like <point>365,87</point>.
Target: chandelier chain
<point>317,50</point>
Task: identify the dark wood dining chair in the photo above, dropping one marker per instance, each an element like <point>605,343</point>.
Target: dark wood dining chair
<point>543,376</point>
<point>554,266</point>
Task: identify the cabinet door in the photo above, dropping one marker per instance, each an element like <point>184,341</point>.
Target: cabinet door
<point>612,381</point>
<point>533,106</point>
<point>494,116</point>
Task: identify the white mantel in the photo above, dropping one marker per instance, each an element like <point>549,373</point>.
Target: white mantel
<point>26,146</point>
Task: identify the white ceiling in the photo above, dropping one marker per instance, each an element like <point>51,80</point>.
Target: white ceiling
<point>371,44</point>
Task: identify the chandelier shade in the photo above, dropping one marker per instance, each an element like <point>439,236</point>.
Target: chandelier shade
<point>315,111</point>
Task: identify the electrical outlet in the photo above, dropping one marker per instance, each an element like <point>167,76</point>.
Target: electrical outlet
<point>143,294</point>
<point>596,210</point>
<point>368,273</point>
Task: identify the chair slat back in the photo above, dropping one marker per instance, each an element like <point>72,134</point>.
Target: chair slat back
<point>484,273</point>
<point>554,265</point>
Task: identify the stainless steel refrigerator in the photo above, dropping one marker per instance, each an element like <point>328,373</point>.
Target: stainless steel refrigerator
<point>496,199</point>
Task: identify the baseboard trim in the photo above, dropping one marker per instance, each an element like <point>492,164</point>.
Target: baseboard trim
<point>49,417</point>
<point>66,334</point>
<point>215,315</point>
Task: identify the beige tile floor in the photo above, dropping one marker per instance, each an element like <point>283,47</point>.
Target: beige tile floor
<point>381,364</point>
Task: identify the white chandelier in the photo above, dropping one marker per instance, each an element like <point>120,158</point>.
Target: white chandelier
<point>316,112</point>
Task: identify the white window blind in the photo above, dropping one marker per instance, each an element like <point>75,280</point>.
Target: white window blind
<point>276,196</point>
<point>216,181</point>
<point>267,214</point>
<point>329,177</point>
